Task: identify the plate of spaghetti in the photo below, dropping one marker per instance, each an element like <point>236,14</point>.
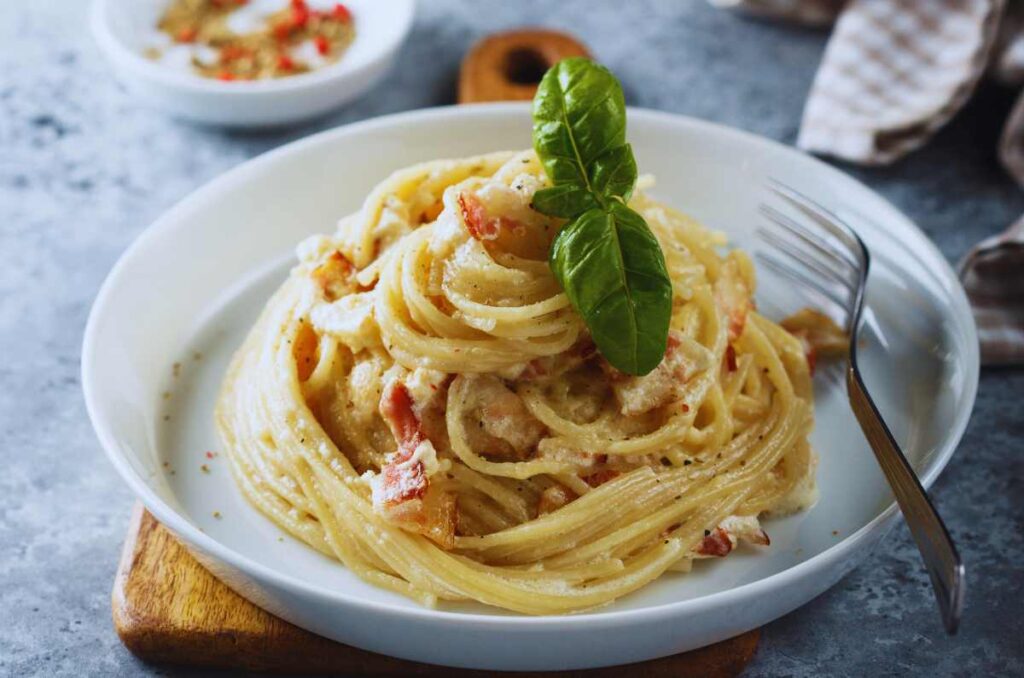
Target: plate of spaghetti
<point>517,409</point>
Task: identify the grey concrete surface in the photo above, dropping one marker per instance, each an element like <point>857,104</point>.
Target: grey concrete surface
<point>84,169</point>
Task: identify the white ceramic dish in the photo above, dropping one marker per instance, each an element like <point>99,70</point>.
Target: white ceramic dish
<point>195,280</point>
<point>121,29</point>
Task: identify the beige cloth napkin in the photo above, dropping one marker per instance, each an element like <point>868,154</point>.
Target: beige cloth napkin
<point>893,73</point>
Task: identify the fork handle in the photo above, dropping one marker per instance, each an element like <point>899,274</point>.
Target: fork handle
<point>933,541</point>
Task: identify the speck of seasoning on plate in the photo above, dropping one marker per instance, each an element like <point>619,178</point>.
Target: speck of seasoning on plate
<point>216,514</point>
<point>835,533</point>
<point>196,355</point>
<point>210,455</point>
<point>167,395</point>
<point>167,417</point>
<point>176,370</point>
<point>205,468</point>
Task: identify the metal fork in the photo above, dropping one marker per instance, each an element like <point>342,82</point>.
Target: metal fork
<point>826,257</point>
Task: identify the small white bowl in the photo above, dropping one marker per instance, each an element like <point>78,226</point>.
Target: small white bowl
<point>122,27</point>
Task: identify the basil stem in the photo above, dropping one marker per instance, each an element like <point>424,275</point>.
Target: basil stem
<point>606,258</point>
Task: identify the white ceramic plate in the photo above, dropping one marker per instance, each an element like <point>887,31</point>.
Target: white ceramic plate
<point>123,29</point>
<point>196,279</point>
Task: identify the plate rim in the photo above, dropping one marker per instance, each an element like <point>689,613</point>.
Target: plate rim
<point>841,551</point>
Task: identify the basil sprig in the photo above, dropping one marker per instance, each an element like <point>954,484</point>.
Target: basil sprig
<point>605,258</point>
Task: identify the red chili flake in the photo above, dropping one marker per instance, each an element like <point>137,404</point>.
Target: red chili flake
<point>210,455</point>
<point>686,408</point>
<point>323,45</point>
<point>730,358</point>
<point>187,34</point>
<point>225,76</point>
<point>715,543</point>
<point>285,63</point>
<point>300,13</point>
<point>282,30</point>
<point>341,13</point>
<point>232,52</point>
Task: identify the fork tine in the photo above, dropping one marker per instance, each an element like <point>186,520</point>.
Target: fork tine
<point>802,258</point>
<point>809,239</point>
<point>809,283</point>
<point>853,249</point>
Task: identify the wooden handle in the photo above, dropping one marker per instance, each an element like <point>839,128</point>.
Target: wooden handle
<point>508,66</point>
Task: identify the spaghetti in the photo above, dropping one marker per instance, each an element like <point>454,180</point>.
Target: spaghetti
<point>421,402</point>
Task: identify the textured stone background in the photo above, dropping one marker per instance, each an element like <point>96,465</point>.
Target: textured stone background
<point>83,170</point>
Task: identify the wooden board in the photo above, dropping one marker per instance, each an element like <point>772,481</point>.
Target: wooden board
<point>169,610</point>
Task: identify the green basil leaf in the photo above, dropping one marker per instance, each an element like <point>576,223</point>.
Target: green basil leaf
<point>579,114</point>
<point>613,271</point>
<point>613,175</point>
<point>564,201</point>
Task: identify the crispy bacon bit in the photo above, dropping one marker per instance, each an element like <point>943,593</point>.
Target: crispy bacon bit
<point>475,216</point>
<point>333,276</point>
<point>601,477</point>
<point>554,498</point>
<point>403,493</point>
<point>730,358</point>
<point>401,478</point>
<point>480,225</point>
<point>716,543</point>
<point>306,350</point>
<point>402,482</point>
<point>396,408</point>
<point>818,334</point>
